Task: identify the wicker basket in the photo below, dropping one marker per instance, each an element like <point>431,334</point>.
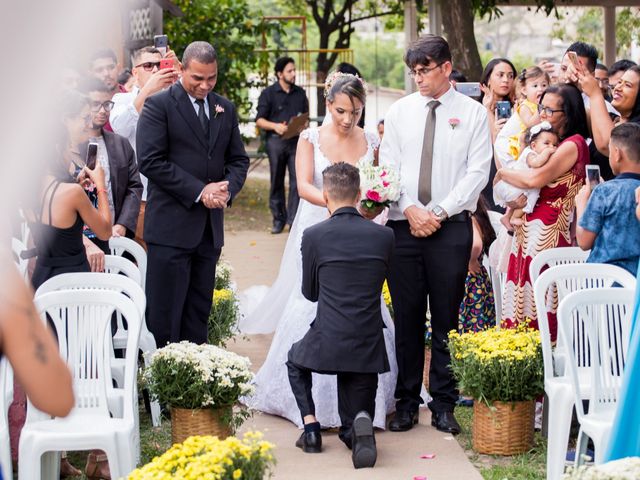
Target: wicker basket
<point>427,364</point>
<point>505,428</point>
<point>206,421</point>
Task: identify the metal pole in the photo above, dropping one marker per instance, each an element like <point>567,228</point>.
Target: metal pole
<point>609,35</point>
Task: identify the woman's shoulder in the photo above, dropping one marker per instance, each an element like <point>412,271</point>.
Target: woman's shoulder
<point>310,135</point>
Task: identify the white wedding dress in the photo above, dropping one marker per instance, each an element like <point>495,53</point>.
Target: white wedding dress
<point>284,309</point>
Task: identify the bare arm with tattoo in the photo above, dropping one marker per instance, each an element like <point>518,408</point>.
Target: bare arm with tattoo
<point>30,347</point>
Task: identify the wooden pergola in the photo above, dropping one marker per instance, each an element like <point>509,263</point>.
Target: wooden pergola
<point>609,7</point>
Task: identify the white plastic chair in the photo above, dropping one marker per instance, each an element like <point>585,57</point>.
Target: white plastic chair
<point>117,264</point>
<point>17,247</point>
<point>557,386</point>
<point>121,245</point>
<point>497,279</point>
<point>556,256</point>
<point>596,324</point>
<point>6,396</point>
<point>83,323</point>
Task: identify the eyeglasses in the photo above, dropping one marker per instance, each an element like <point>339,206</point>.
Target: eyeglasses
<point>547,110</point>
<point>148,66</point>
<point>421,72</point>
<point>96,106</point>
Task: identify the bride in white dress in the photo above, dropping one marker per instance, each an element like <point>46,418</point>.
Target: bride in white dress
<point>283,308</point>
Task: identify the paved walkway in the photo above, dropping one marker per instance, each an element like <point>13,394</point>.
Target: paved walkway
<point>255,258</point>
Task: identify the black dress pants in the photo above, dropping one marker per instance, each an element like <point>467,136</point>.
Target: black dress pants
<point>356,392</point>
<point>282,156</point>
<point>427,271</point>
<point>180,285</point>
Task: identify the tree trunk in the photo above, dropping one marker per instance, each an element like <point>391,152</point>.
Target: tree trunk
<point>457,23</point>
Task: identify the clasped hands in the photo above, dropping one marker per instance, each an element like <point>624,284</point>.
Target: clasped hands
<point>422,223</point>
<point>216,194</point>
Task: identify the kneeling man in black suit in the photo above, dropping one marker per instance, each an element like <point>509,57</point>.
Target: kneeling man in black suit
<point>345,260</point>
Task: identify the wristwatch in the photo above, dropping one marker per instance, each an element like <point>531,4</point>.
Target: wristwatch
<point>440,212</point>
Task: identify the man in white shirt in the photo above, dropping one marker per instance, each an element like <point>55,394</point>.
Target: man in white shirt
<point>149,79</point>
<point>439,141</point>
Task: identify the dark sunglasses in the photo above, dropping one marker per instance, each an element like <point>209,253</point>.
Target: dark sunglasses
<point>148,66</point>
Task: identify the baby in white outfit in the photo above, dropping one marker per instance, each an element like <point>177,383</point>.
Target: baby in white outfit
<point>541,143</point>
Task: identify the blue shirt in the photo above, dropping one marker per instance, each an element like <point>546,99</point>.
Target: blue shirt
<point>611,215</point>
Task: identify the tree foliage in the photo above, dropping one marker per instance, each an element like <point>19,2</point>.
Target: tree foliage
<point>590,28</point>
<point>233,28</point>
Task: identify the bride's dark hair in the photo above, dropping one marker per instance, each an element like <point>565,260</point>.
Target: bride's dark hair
<point>350,85</point>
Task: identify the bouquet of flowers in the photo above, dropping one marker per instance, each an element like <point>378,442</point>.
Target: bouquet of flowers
<point>208,457</point>
<point>190,376</point>
<point>623,469</point>
<point>498,365</point>
<point>379,186</point>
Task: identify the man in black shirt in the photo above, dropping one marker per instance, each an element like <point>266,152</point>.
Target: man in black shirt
<point>277,105</point>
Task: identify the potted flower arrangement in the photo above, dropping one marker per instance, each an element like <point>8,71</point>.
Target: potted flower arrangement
<point>225,309</point>
<point>210,457</point>
<point>623,469</point>
<point>502,370</point>
<point>201,384</point>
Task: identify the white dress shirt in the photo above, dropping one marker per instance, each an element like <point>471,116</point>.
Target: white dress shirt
<point>461,156</point>
<point>124,121</point>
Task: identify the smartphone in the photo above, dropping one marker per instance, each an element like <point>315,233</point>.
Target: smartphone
<point>161,42</point>
<point>503,109</point>
<point>470,89</point>
<point>593,175</point>
<point>166,63</point>
<point>573,58</point>
<point>92,155</point>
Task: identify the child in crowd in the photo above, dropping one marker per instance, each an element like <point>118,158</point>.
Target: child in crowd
<point>530,86</point>
<point>541,142</point>
<point>477,310</point>
<point>607,221</point>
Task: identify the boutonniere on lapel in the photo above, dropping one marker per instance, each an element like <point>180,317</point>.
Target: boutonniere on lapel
<point>454,122</point>
<point>219,109</point>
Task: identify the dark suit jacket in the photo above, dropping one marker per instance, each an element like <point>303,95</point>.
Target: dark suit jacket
<point>176,157</point>
<point>345,260</point>
<point>125,179</point>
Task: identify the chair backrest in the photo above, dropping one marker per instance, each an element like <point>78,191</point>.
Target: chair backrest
<point>17,247</point>
<point>121,245</point>
<point>494,218</point>
<point>82,320</point>
<point>116,264</point>
<point>97,281</point>
<point>595,325</point>
<point>567,279</point>
<point>556,256</point>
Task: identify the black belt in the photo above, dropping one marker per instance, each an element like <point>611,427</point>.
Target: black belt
<point>459,217</point>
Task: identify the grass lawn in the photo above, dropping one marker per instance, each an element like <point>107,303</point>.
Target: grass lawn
<point>528,466</point>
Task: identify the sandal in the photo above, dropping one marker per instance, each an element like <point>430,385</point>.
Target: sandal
<point>68,470</point>
<point>97,467</point>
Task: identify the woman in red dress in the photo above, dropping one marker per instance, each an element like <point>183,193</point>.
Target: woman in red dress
<point>559,180</point>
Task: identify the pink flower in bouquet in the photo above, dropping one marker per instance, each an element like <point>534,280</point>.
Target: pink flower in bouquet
<point>385,184</point>
<point>373,195</point>
<point>454,122</point>
<point>384,173</point>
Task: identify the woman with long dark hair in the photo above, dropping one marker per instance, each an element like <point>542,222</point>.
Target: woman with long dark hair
<point>559,181</point>
<point>497,84</point>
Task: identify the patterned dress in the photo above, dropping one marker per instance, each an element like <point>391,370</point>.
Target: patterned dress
<point>477,310</point>
<point>546,227</point>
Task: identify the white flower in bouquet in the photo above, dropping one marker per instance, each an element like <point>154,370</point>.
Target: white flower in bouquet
<point>379,185</point>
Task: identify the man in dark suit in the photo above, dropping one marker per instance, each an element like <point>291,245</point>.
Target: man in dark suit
<point>190,149</point>
<point>345,260</point>
<point>124,187</point>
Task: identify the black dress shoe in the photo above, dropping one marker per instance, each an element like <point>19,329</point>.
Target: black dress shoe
<point>364,452</point>
<point>310,442</point>
<point>403,420</point>
<point>278,226</point>
<point>445,422</point>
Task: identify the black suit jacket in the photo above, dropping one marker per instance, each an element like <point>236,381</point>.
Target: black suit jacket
<point>126,186</point>
<point>179,161</point>
<point>345,260</point>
